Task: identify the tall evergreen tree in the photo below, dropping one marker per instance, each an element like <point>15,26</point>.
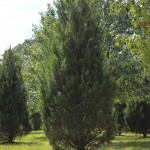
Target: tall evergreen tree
<point>137,117</point>
<point>13,108</point>
<point>78,108</point>
<point>137,112</point>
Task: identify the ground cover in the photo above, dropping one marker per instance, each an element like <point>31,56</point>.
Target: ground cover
<point>36,140</point>
<point>128,141</point>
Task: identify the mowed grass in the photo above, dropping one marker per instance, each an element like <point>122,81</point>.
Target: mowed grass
<point>128,141</point>
<point>36,140</point>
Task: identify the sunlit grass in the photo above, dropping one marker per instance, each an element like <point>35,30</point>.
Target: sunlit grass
<point>36,140</point>
<point>128,141</point>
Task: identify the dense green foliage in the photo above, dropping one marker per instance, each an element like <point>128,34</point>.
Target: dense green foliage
<point>36,121</point>
<point>29,75</point>
<point>138,117</point>
<point>119,112</point>
<point>136,38</point>
<point>130,56</point>
<point>13,109</point>
<point>81,50</point>
<point>137,113</point>
<point>77,109</point>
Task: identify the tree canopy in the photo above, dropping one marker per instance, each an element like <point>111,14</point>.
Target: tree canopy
<point>13,108</point>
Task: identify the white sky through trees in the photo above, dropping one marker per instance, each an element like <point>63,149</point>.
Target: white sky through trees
<point>16,19</point>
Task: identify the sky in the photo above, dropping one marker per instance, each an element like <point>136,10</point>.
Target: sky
<point>16,19</point>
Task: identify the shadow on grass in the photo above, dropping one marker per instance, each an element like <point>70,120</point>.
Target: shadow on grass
<point>133,144</point>
<point>36,132</point>
<point>148,137</point>
<point>40,138</point>
<point>20,143</point>
<point>120,135</point>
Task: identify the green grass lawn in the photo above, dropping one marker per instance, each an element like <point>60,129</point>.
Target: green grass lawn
<point>128,141</point>
<point>36,141</point>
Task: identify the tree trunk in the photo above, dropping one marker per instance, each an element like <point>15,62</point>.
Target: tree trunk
<point>119,133</point>
<point>82,147</point>
<point>10,139</point>
<point>144,134</point>
<point>119,130</point>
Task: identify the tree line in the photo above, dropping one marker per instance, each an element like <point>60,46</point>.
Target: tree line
<point>83,78</point>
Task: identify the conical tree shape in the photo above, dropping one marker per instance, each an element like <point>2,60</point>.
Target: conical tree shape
<point>13,108</point>
<point>77,110</point>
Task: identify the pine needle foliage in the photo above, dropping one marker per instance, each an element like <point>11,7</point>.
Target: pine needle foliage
<point>78,107</point>
<point>13,109</point>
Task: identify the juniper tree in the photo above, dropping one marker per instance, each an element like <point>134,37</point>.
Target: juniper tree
<point>78,105</point>
<point>137,113</point>
<point>137,117</point>
<point>13,109</point>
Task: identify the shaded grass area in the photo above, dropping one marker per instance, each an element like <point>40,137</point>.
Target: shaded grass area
<point>128,141</point>
<point>36,140</point>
